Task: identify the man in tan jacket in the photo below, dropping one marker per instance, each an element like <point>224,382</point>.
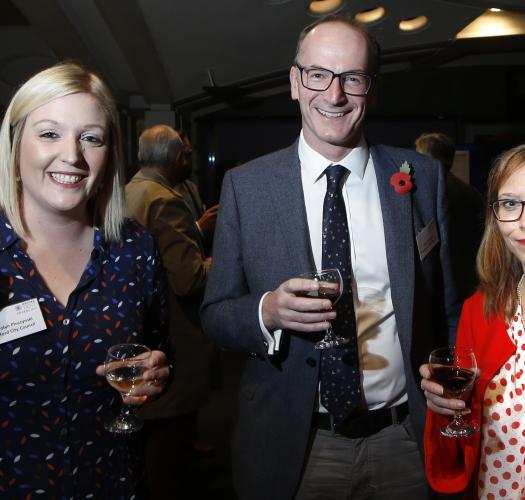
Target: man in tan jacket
<point>154,201</point>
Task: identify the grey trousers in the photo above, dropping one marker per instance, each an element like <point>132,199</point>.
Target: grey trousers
<point>384,466</point>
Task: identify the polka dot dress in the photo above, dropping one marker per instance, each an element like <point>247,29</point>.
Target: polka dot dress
<point>502,464</point>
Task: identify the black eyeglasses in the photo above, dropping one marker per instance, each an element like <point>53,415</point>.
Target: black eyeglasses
<point>508,210</point>
<point>319,79</point>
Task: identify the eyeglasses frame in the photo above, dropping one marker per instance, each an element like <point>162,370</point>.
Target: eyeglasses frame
<point>493,206</point>
<point>337,75</point>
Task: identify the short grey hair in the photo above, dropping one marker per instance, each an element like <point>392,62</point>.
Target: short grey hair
<point>159,145</point>
<point>374,49</point>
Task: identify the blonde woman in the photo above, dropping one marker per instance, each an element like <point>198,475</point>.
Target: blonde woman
<point>82,277</point>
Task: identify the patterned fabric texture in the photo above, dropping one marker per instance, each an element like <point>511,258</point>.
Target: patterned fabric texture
<point>502,463</point>
<point>340,377</point>
<point>52,404</point>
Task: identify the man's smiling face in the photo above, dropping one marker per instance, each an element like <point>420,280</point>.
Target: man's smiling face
<point>332,120</point>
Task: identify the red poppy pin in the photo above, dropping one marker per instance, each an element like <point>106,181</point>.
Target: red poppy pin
<point>402,180</point>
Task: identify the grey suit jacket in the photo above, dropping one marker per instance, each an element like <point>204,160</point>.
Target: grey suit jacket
<point>262,240</point>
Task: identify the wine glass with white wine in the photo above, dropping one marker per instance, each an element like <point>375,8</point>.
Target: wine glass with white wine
<point>124,367</point>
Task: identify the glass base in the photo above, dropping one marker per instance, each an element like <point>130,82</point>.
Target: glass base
<point>459,429</point>
<point>332,341</point>
<point>125,424</point>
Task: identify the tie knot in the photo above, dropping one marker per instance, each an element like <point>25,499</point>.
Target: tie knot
<point>335,175</point>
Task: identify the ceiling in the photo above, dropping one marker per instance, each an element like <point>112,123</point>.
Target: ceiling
<point>168,54</point>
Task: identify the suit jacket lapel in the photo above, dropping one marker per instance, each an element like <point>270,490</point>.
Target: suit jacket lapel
<point>287,195</point>
<point>399,240</point>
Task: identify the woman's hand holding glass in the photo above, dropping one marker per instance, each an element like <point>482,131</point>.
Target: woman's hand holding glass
<point>155,378</point>
<point>133,370</point>
<point>448,380</point>
<point>436,401</point>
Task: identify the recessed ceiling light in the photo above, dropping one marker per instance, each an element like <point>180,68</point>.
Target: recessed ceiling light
<point>370,16</point>
<point>413,24</point>
<point>493,9</point>
<point>323,7</point>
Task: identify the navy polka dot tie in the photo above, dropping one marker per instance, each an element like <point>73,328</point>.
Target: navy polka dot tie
<point>340,378</point>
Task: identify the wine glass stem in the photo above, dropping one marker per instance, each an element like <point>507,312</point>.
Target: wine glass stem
<point>457,420</point>
<point>329,333</point>
<point>127,410</point>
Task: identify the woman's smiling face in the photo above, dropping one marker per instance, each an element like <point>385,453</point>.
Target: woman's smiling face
<point>513,233</point>
<point>63,154</point>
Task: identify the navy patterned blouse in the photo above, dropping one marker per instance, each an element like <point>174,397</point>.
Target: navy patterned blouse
<point>52,404</point>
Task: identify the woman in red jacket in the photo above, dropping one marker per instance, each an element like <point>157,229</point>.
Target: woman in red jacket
<point>489,464</point>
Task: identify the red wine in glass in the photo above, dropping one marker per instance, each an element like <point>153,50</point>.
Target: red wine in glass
<point>454,380</point>
<point>324,292</point>
<point>331,288</point>
<point>455,369</point>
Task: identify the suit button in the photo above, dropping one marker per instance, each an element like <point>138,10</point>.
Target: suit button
<point>311,362</point>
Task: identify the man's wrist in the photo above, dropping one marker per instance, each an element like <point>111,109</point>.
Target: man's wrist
<point>271,339</point>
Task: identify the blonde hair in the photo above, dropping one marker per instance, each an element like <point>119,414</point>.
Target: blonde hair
<point>498,268</point>
<point>107,207</point>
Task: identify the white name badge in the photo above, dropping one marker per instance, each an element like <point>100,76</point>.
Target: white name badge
<point>20,320</point>
<point>427,239</point>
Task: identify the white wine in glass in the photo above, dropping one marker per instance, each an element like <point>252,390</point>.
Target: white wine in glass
<point>124,366</point>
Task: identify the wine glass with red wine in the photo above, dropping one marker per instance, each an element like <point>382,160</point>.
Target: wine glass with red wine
<point>124,366</point>
<point>330,287</point>
<point>455,369</point>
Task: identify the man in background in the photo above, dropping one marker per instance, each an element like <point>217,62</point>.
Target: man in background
<point>466,214</point>
<point>153,202</point>
<point>204,218</point>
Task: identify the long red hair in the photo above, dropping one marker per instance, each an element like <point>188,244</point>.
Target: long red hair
<point>498,268</point>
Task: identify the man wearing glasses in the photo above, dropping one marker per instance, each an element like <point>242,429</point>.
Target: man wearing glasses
<point>341,422</point>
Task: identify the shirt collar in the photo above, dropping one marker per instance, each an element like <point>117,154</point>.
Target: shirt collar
<point>99,240</point>
<point>153,175</point>
<point>314,164</point>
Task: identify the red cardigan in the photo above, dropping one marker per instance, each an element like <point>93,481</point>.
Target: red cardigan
<point>452,464</point>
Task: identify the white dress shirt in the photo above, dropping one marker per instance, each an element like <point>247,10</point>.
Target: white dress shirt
<point>380,354</point>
